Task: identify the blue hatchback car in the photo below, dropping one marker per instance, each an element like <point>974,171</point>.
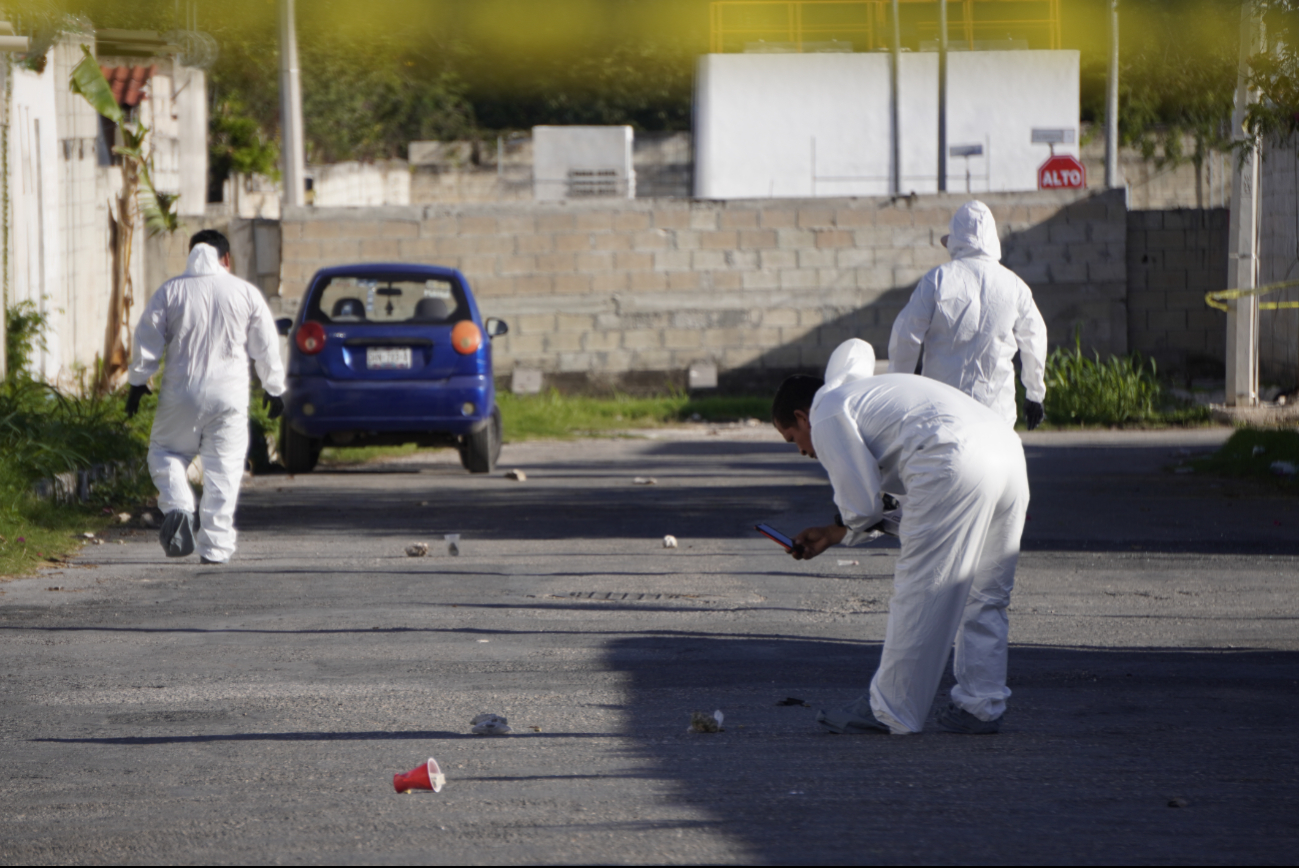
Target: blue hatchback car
<point>388,353</point>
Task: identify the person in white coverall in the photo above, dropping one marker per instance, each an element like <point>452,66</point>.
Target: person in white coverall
<point>206,324</point>
<point>960,471</point>
<point>971,315</point>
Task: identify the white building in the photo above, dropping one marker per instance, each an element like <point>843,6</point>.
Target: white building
<point>805,125</point>
<point>61,179</point>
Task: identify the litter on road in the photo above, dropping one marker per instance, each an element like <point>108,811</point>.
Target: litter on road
<point>490,724</point>
<point>669,542</point>
<point>516,474</point>
<point>453,544</point>
<point>701,721</point>
<point>417,550</point>
<point>425,776</point>
<point>644,480</point>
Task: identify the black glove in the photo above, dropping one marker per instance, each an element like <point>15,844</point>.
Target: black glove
<point>133,399</point>
<point>276,403</point>
<point>1033,414</point>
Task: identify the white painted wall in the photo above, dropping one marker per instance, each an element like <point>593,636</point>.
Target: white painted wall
<point>189,103</point>
<point>757,115</point>
<point>557,152</point>
<point>34,192</point>
<point>760,117</point>
<point>352,184</point>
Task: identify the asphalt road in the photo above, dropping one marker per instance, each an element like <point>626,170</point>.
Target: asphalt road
<point>158,712</point>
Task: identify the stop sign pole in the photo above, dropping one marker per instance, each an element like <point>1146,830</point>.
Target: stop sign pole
<point>1060,171</point>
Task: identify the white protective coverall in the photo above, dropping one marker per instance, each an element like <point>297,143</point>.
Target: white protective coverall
<point>971,314</point>
<point>960,473</point>
<point>207,323</point>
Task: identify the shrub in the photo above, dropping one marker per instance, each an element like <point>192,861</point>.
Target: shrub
<point>1089,391</point>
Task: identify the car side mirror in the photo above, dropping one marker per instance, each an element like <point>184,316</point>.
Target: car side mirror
<point>496,327</point>
<point>283,325</point>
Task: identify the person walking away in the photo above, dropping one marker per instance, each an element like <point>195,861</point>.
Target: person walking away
<point>961,470</point>
<point>206,324</point>
<point>971,315</point>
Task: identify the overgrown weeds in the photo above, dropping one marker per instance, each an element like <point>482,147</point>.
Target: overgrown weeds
<point>1115,391</point>
<point>1257,453</point>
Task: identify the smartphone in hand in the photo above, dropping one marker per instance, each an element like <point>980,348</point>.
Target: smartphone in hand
<point>779,538</point>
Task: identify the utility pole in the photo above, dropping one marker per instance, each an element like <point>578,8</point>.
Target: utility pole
<point>942,96</point>
<point>291,109</point>
<point>1242,233</point>
<point>895,180</point>
<point>1112,103</point>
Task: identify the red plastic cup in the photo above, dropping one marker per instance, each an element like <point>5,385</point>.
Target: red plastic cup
<point>427,776</point>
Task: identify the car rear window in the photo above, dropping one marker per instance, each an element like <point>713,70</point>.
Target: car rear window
<point>388,301</point>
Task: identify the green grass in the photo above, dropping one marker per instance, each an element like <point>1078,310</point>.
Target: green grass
<point>1237,456</point>
<point>554,416</point>
<point>43,433</point>
<point>1122,391</point>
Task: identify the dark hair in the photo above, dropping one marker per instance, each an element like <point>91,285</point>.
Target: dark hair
<point>796,393</point>
<point>214,238</point>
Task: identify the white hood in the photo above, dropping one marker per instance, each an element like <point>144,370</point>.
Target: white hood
<point>852,360</point>
<point>974,232</point>
<point>203,259</point>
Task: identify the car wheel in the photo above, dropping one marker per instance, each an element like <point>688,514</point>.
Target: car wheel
<point>480,450</point>
<point>298,452</point>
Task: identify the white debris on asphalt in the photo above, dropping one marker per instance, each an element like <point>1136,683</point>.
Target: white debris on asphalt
<point>417,550</point>
<point>453,543</point>
<point>516,474</point>
<point>849,563</point>
<point>669,542</point>
<point>490,724</point>
<point>703,722</point>
<point>644,480</point>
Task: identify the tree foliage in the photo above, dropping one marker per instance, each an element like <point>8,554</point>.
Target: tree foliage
<point>1275,72</point>
<point>1177,78</point>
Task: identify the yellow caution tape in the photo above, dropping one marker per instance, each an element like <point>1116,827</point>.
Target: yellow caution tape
<point>1217,299</point>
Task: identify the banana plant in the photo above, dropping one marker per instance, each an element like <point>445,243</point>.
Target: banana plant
<point>138,196</point>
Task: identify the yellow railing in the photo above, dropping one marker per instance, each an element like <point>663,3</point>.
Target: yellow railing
<point>798,25</point>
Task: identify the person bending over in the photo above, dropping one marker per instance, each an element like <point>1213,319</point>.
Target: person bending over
<point>959,471</point>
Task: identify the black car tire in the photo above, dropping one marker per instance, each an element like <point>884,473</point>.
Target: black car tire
<point>480,450</point>
<point>298,452</point>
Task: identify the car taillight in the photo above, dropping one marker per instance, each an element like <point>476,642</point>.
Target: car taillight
<point>466,338</point>
<point>310,338</point>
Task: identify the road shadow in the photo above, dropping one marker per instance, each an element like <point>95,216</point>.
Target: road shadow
<point>1084,498</point>
<point>1098,743</point>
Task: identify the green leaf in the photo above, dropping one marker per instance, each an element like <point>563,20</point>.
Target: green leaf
<point>88,80</point>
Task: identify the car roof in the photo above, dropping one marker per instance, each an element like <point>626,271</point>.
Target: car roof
<point>386,269</point>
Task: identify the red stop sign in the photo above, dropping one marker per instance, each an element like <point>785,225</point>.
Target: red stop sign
<point>1061,172</point>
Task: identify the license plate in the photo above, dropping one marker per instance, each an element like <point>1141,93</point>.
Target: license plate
<point>387,358</point>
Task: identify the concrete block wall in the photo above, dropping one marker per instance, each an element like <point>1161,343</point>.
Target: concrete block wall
<point>1174,258</point>
<point>635,292</point>
<point>1278,243</point>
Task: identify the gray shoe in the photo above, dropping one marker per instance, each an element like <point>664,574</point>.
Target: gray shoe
<point>957,719</point>
<point>177,533</point>
<point>846,721</point>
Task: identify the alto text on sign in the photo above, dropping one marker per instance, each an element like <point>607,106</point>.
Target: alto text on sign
<point>1061,172</point>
